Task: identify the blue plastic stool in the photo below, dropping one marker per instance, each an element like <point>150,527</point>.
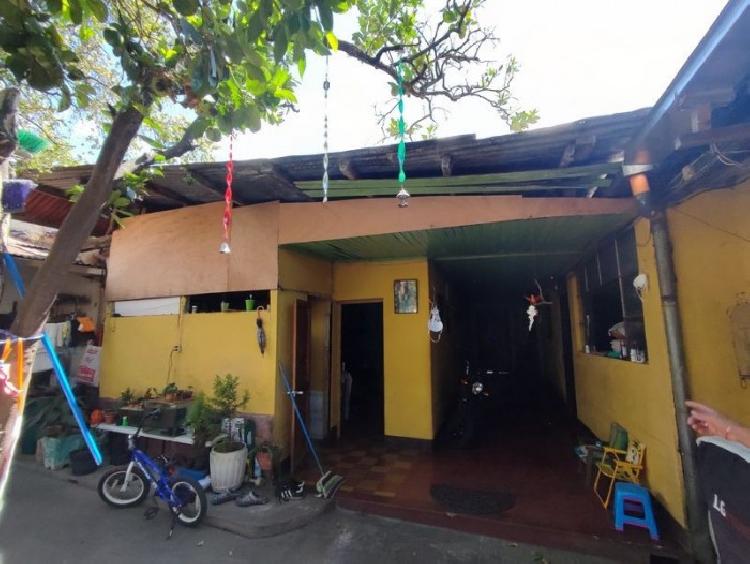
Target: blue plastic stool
<point>634,498</point>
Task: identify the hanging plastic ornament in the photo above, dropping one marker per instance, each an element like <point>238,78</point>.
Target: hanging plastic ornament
<point>531,312</point>
<point>435,324</point>
<point>403,195</point>
<point>260,333</point>
<point>326,87</point>
<point>224,248</point>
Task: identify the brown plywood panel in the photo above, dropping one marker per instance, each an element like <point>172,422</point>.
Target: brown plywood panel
<point>176,253</point>
<point>315,221</point>
<point>254,260</point>
<point>168,254</point>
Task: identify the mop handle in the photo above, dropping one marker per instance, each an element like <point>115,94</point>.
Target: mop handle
<point>299,418</point>
<point>59,370</point>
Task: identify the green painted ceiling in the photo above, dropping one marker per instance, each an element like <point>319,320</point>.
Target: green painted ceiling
<point>507,254</point>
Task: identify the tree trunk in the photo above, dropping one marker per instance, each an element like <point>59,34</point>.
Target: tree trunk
<point>79,224</point>
<point>35,306</point>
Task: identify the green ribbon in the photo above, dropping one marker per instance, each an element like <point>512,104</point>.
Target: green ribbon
<point>401,152</point>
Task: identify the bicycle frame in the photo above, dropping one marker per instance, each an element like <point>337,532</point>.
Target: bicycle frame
<point>153,472</point>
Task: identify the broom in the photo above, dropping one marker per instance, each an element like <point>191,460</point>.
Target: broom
<point>329,483</point>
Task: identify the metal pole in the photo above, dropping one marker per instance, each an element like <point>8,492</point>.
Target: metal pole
<point>696,509</point>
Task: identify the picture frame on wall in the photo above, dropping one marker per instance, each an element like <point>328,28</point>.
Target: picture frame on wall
<point>405,295</point>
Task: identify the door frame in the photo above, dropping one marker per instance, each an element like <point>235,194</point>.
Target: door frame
<point>334,387</point>
<point>304,398</point>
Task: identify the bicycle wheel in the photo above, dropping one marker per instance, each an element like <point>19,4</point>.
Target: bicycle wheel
<point>193,499</point>
<point>113,490</point>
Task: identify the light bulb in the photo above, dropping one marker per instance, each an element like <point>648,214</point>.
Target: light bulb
<point>403,198</point>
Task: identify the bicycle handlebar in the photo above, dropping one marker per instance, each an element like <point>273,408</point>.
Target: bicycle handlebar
<point>154,413</point>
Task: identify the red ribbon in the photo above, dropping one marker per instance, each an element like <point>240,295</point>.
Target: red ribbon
<point>227,221</point>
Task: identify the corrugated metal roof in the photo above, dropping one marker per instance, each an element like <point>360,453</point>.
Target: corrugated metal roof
<point>591,141</point>
<point>45,209</point>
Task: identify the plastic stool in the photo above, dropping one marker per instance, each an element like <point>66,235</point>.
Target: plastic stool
<point>633,498</point>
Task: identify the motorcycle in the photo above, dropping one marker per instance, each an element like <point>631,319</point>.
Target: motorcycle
<point>479,396</point>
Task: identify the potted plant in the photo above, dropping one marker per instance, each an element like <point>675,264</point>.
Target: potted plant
<point>202,419</point>
<point>267,455</point>
<point>131,407</point>
<point>170,392</point>
<point>228,456</point>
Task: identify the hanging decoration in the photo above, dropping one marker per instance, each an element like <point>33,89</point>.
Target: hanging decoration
<point>403,195</point>
<point>261,333</point>
<point>225,248</point>
<point>435,325</point>
<point>6,380</point>
<point>59,371</point>
<point>535,300</point>
<point>326,87</point>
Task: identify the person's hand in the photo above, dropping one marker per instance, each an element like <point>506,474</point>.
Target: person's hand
<point>707,421</point>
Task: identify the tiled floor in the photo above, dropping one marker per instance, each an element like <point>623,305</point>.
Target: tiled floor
<point>525,454</point>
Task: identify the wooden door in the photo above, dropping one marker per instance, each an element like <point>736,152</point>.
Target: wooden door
<point>300,378</point>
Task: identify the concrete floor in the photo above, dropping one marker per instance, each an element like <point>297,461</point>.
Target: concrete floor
<point>47,520</point>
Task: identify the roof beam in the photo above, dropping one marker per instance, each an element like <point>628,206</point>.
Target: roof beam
<point>529,254</point>
<point>473,179</point>
<point>452,190</point>
<point>738,132</point>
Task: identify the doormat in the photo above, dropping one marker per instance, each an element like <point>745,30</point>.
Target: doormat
<point>472,502</point>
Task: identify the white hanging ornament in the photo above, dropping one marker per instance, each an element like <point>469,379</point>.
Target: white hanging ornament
<point>531,312</point>
<point>435,324</point>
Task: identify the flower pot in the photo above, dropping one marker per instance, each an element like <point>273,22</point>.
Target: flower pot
<point>170,397</point>
<point>265,460</point>
<point>110,417</point>
<point>228,469</point>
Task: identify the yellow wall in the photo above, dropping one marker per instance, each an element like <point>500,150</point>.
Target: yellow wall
<point>298,271</point>
<point>406,346</point>
<point>136,354</point>
<point>637,396</point>
<point>713,272</point>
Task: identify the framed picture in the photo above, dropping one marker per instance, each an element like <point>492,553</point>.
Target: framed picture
<point>405,296</point>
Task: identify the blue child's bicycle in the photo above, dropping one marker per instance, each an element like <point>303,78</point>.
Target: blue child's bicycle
<point>127,486</point>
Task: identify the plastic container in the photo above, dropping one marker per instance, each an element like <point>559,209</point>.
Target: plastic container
<point>192,473</point>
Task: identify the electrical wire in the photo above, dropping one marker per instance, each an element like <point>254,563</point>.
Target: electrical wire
<point>712,226</point>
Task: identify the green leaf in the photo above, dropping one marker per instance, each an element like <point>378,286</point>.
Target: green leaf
<point>121,202</point>
<point>213,134</point>
<point>98,8</point>
<point>186,7</point>
<point>76,11</point>
<point>85,32</point>
<point>112,37</point>
<point>65,99</point>
<point>301,60</point>
<point>332,40</point>
<point>280,42</point>
<point>326,16</point>
<point>196,129</point>
<point>253,118</point>
<point>55,6</point>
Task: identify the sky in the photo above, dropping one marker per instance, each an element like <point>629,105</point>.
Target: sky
<point>578,59</point>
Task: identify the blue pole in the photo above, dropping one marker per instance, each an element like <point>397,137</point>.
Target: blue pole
<point>59,370</point>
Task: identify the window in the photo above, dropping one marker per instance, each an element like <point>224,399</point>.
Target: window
<point>608,297</point>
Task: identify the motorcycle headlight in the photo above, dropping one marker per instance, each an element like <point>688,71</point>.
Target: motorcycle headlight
<point>477,388</point>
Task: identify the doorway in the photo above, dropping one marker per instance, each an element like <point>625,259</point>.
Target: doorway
<point>362,398</point>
